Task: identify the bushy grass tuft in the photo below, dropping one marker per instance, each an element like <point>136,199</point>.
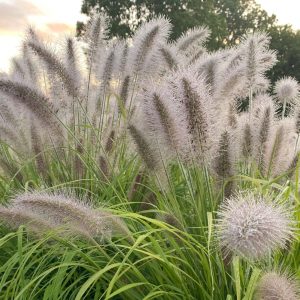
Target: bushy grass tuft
<point>132,169</point>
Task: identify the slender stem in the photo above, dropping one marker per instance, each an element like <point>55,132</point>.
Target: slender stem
<point>296,145</point>
<point>250,102</point>
<point>283,109</point>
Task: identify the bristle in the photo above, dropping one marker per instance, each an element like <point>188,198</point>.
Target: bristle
<point>230,87</point>
<point>208,68</point>
<point>72,61</point>
<point>123,58</point>
<point>297,121</point>
<point>257,59</point>
<point>31,68</point>
<point>251,63</point>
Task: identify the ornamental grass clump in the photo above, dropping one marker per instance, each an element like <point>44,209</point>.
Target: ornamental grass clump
<point>253,226</point>
<point>173,98</point>
<point>184,143</point>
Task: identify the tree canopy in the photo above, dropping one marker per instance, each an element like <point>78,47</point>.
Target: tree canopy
<point>228,20</point>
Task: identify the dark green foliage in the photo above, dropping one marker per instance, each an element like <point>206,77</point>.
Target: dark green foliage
<point>287,44</point>
<point>228,19</point>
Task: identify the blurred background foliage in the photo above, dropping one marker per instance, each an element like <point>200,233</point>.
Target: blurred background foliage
<point>228,20</point>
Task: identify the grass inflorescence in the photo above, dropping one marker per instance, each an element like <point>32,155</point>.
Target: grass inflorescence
<point>148,169</point>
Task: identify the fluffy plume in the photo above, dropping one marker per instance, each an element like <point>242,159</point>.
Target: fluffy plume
<point>110,142</point>
<point>36,144</point>
<point>265,112</point>
<point>224,164</point>
<point>125,89</point>
<point>58,210</point>
<point>208,68</point>
<point>56,66</point>
<point>14,217</point>
<point>147,152</point>
<point>36,102</point>
<point>287,89</point>
<point>121,53</point>
<point>258,59</point>
<point>159,119</point>
<point>277,286</point>
<point>95,37</point>
<point>192,38</point>
<point>145,45</point>
<point>252,226</point>
<point>169,56</point>
<point>191,92</point>
<point>72,61</point>
<point>106,71</point>
<point>185,100</point>
<point>247,142</point>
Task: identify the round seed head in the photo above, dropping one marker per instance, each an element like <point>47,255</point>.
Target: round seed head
<point>273,286</point>
<point>252,226</point>
<point>287,89</point>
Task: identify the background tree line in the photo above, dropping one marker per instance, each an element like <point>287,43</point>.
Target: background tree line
<point>228,20</point>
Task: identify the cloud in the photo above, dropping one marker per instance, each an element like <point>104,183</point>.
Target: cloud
<point>14,15</point>
<point>59,27</point>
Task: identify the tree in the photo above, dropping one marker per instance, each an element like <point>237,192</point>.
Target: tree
<point>126,15</point>
<point>287,44</point>
<point>242,16</point>
<point>228,20</point>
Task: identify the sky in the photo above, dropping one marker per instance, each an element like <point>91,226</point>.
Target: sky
<point>59,17</point>
<point>50,17</point>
